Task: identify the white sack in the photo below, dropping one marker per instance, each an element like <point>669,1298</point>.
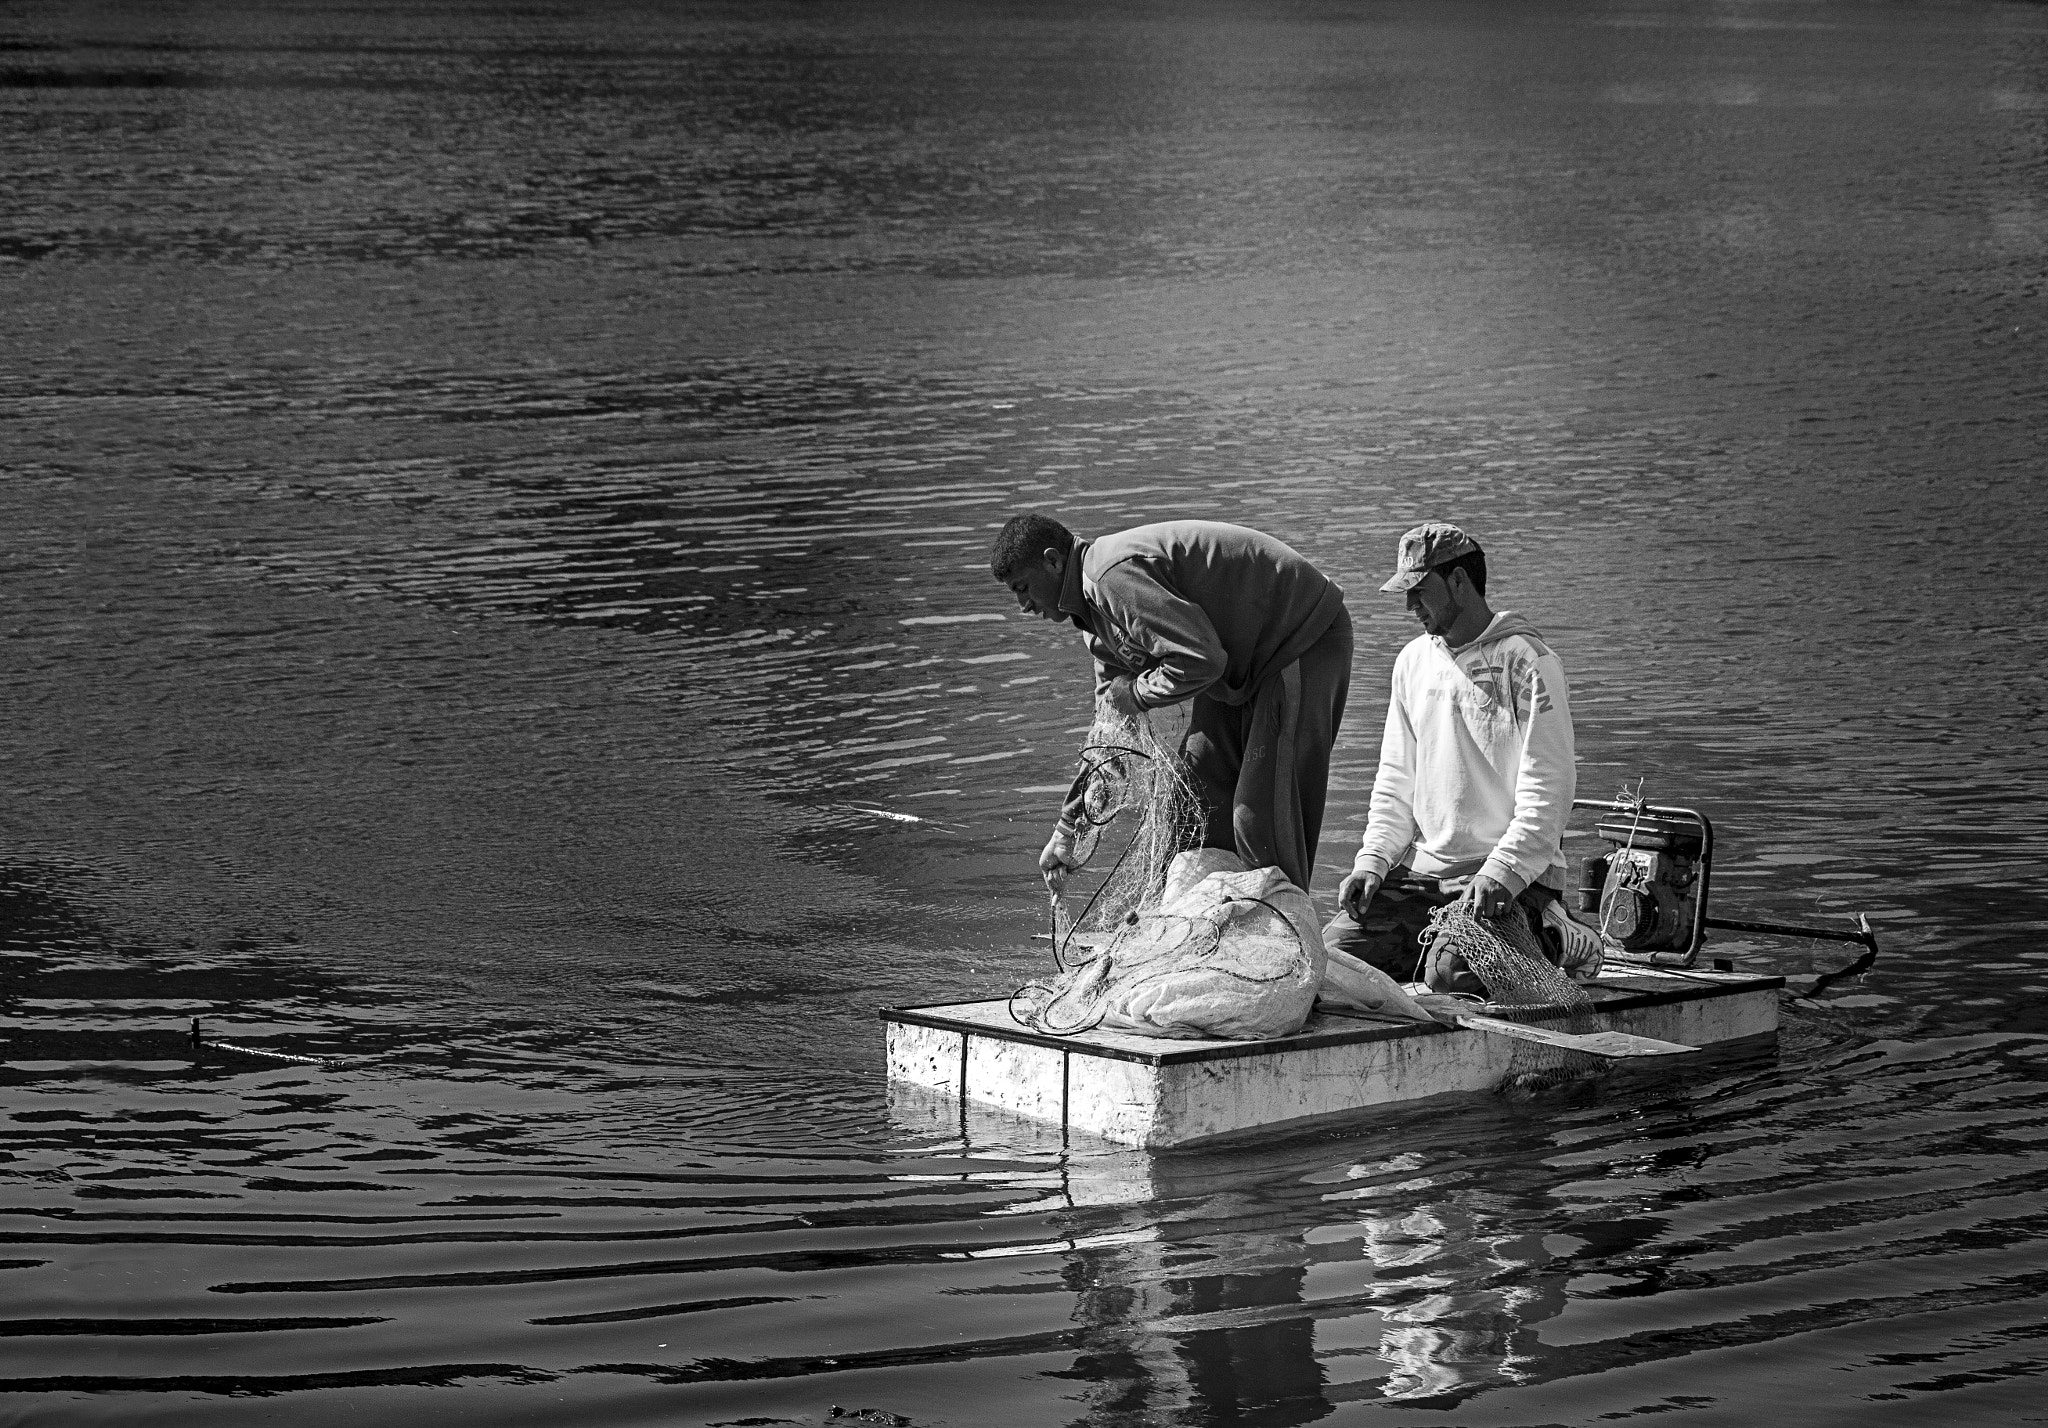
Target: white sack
<point>1229,954</point>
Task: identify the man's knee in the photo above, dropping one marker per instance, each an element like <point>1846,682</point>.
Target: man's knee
<point>1388,949</point>
<point>1446,970</point>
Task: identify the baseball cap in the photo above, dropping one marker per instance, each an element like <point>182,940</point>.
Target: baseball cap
<point>1422,549</point>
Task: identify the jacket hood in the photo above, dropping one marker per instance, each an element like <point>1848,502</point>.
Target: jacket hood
<point>1506,623</point>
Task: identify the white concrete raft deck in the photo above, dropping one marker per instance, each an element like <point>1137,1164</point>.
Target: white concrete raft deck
<point>1144,1091</point>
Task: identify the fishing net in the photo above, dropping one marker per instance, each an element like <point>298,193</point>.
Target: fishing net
<point>1229,953</point>
<point>1134,791</point>
<point>1174,939</point>
<point>1507,955</point>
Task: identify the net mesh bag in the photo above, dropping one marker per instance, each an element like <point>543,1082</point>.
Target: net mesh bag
<point>1507,955</point>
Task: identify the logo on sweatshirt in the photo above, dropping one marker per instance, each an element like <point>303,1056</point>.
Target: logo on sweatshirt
<point>1511,680</point>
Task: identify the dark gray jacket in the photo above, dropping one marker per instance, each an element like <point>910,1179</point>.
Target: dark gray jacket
<point>1195,607</point>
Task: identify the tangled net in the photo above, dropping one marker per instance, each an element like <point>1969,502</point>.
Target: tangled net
<point>1171,974</point>
<point>1132,781</point>
<point>1506,954</point>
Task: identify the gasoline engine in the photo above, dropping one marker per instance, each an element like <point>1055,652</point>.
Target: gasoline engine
<point>1646,892</point>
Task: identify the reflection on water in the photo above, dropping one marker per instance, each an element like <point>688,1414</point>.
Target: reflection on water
<point>495,505</point>
<point>483,1197</point>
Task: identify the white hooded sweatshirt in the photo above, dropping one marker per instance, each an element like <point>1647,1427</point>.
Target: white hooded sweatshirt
<point>1476,764</point>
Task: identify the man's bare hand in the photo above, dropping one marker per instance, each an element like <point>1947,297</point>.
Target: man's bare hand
<point>1355,893</point>
<point>1051,867</point>
<point>1486,897</point>
<point>1122,696</point>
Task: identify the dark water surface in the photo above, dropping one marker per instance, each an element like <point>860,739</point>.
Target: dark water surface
<point>494,509</point>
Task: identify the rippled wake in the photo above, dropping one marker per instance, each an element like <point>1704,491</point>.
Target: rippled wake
<point>486,1208</point>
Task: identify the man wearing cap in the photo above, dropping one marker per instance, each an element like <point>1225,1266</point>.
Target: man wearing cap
<point>1255,638</point>
<point>1476,773</point>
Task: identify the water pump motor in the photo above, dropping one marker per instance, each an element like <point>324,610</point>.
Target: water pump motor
<point>1647,890</point>
<point>1644,890</point>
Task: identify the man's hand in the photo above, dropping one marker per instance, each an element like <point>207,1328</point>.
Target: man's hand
<point>1486,897</point>
<point>1355,893</point>
<point>1050,866</point>
<point>1122,697</point>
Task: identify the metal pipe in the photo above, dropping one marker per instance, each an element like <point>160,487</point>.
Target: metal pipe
<point>1786,929</point>
<point>1863,934</point>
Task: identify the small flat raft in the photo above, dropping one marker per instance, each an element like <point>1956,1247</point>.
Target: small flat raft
<point>1144,1091</point>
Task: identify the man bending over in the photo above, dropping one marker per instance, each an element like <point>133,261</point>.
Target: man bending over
<point>1476,775</point>
<point>1227,618</point>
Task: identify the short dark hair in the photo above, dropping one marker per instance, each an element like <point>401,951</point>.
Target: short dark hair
<point>1474,566</point>
<point>1021,540</point>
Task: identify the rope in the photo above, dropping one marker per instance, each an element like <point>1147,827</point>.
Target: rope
<point>1634,876</point>
<point>1041,1023</point>
<point>1162,802</point>
<point>1075,790</point>
<point>1191,930</point>
<point>1059,960</point>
